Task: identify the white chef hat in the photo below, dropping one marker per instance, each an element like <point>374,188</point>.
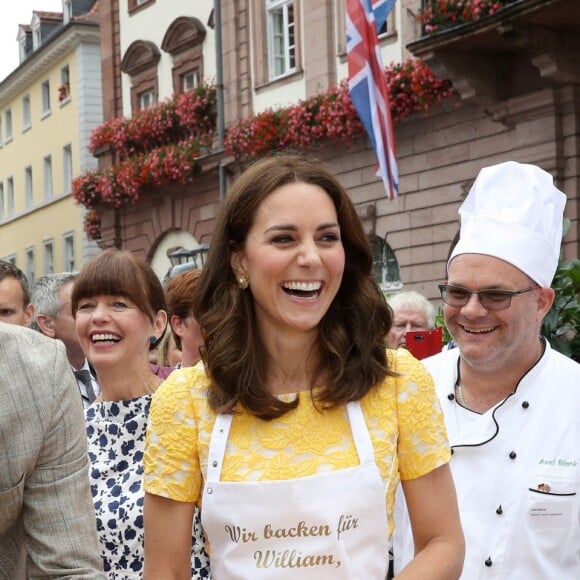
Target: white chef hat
<point>514,212</point>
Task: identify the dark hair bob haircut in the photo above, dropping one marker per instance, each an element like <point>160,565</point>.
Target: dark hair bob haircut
<point>120,273</point>
<point>351,346</point>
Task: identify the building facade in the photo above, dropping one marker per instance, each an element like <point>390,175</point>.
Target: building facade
<point>516,76</point>
<point>48,107</point>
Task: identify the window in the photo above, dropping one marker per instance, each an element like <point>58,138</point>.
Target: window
<point>8,121</point>
<point>28,191</point>
<point>189,80</point>
<point>67,10</point>
<point>45,98</point>
<point>1,201</point>
<point>69,262</point>
<point>281,37</point>
<point>30,268</point>
<point>140,63</point>
<point>47,177</point>
<point>67,168</point>
<point>36,37</point>
<point>48,257</point>
<point>183,40</point>
<point>26,119</point>
<point>385,265</point>
<point>64,88</point>
<point>146,99</point>
<point>10,197</point>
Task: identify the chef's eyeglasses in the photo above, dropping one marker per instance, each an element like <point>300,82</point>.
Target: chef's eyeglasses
<point>457,296</point>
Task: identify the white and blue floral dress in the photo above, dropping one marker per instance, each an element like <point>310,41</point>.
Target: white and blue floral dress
<point>116,438</point>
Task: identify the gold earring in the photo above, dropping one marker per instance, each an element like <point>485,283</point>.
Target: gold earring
<point>243,281</point>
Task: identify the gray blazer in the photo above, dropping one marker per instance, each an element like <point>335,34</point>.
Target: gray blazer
<point>47,518</point>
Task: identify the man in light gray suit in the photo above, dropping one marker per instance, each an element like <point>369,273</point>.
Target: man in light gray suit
<point>47,519</point>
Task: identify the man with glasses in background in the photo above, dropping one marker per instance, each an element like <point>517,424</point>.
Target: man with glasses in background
<point>511,403</point>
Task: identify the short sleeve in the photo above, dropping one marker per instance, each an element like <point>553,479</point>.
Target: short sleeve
<point>171,461</point>
<point>423,445</point>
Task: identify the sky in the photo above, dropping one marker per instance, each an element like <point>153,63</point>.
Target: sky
<point>15,12</point>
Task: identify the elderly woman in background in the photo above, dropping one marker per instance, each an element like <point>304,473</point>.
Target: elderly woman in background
<point>411,311</point>
<point>120,314</point>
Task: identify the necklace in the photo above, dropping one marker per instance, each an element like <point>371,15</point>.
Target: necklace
<point>459,395</point>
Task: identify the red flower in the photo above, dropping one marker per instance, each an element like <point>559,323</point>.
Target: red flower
<point>438,14</point>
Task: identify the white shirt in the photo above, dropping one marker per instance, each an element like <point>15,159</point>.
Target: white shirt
<point>517,474</point>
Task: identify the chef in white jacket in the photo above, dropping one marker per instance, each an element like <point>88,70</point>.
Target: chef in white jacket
<point>511,403</point>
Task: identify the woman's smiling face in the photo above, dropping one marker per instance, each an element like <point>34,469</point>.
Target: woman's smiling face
<point>293,257</point>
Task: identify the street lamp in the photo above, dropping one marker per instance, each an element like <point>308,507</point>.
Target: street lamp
<point>196,257</point>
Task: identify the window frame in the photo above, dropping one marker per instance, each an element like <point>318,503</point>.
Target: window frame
<point>30,264</point>
<point>69,261</point>
<point>28,187</point>
<point>8,121</point>
<point>26,113</point>
<point>67,168</point>
<point>64,87</point>
<point>184,40</point>
<point>288,34</point>
<point>48,252</point>
<point>140,63</point>
<point>10,201</point>
<point>47,177</point>
<point>45,98</point>
<point>150,93</point>
<point>386,269</point>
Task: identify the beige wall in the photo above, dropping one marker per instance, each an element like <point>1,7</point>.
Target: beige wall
<point>50,215</point>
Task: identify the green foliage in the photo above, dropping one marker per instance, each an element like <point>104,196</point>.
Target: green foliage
<point>440,321</point>
<point>562,324</point>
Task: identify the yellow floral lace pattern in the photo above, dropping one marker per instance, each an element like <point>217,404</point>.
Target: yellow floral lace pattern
<point>402,414</point>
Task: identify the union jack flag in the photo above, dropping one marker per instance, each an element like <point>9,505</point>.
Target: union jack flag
<point>368,85</point>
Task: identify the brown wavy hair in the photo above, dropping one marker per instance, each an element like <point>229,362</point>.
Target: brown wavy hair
<point>179,292</point>
<point>351,343</point>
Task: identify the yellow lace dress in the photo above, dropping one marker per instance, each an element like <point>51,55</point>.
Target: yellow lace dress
<point>402,414</point>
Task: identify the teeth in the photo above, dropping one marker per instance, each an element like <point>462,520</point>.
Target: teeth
<point>103,337</point>
<point>303,286</point>
<point>478,330</point>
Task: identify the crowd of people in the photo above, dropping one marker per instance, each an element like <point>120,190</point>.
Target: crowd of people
<point>263,418</point>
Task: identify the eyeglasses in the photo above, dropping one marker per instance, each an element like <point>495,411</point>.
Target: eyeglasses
<point>458,296</point>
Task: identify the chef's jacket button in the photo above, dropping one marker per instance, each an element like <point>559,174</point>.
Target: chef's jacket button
<point>221,430</point>
<point>209,490</point>
<point>499,510</point>
<point>513,454</point>
<point>451,396</point>
<point>525,404</point>
<point>214,463</point>
<point>489,563</point>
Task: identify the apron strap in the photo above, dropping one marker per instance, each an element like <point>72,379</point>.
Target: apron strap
<point>221,429</point>
<point>217,446</point>
<point>360,433</point>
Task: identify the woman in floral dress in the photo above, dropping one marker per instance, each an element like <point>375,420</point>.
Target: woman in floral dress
<point>120,312</point>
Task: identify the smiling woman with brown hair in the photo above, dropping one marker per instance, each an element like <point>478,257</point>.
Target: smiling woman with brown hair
<point>294,436</point>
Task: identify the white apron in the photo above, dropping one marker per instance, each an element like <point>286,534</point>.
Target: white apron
<point>332,525</point>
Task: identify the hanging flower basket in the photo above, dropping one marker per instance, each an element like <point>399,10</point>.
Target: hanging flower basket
<point>439,14</point>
